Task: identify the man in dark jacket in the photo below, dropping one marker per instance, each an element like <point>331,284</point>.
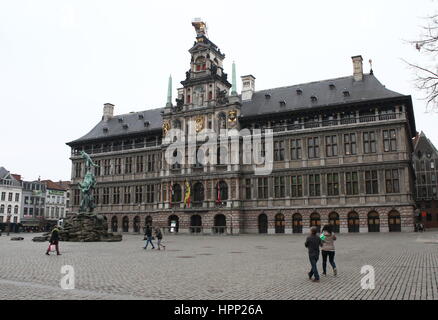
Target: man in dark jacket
<point>54,240</point>
<point>313,242</point>
<point>148,236</point>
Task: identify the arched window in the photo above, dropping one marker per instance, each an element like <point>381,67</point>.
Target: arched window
<point>334,221</point>
<point>315,220</point>
<point>297,223</point>
<point>125,224</point>
<point>16,209</point>
<point>136,224</point>
<point>200,64</point>
<point>114,224</point>
<point>173,223</point>
<point>263,223</point>
<point>176,193</point>
<point>148,221</point>
<point>198,194</point>
<point>279,223</point>
<point>9,209</point>
<point>394,221</point>
<point>373,222</point>
<point>2,208</point>
<point>353,222</point>
<point>220,223</point>
<point>195,224</point>
<point>177,124</point>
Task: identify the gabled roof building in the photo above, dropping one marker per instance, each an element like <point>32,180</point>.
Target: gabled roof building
<point>341,155</point>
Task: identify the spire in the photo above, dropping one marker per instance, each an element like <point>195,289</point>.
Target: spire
<point>169,92</point>
<point>233,87</point>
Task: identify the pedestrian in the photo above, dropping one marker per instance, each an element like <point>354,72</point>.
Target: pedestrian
<point>148,237</point>
<point>328,249</point>
<point>313,242</point>
<point>159,236</point>
<point>54,240</point>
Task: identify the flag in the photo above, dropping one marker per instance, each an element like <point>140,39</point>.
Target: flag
<point>187,196</point>
<point>218,200</point>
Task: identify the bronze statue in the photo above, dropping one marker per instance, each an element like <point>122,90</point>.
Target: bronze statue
<point>87,185</point>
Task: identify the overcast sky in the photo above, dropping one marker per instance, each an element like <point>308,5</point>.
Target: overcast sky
<point>60,61</point>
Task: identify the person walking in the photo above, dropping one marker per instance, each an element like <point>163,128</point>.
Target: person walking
<point>328,249</point>
<point>159,236</point>
<point>313,242</point>
<point>54,240</point>
<point>148,236</point>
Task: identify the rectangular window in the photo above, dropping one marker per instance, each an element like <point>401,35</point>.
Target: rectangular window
<point>139,164</point>
<point>263,188</point>
<point>107,167</point>
<point>392,181</point>
<point>97,196</point>
<point>369,142</point>
<point>279,187</point>
<point>138,194</point>
<point>118,166</point>
<point>127,195</point>
<point>116,195</point>
<point>313,147</point>
<point>331,146</point>
<point>128,165</point>
<point>17,197</point>
<point>352,183</point>
<point>3,196</point>
<point>278,150</point>
<point>76,197</point>
<point>371,182</point>
<point>10,195</point>
<point>150,189</point>
<point>389,140</point>
<point>295,149</point>
<point>296,186</point>
<point>350,144</point>
<point>151,162</point>
<point>78,170</point>
<point>97,169</point>
<point>332,184</point>
<point>314,185</point>
<point>248,188</point>
<point>105,197</point>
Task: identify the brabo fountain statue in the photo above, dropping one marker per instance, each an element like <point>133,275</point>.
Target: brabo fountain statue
<point>86,226</point>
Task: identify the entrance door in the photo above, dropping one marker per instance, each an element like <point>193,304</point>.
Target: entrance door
<point>220,224</point>
<point>195,224</point>
<point>353,222</point>
<point>263,223</point>
<point>315,221</point>
<point>373,222</point>
<point>114,224</point>
<point>173,223</point>
<point>334,221</point>
<point>297,223</point>
<point>394,221</point>
<point>125,224</point>
<point>137,224</point>
<point>279,223</point>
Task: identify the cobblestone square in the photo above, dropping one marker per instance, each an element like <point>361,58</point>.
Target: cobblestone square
<point>221,267</point>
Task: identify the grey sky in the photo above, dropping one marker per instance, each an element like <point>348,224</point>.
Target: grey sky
<point>60,61</point>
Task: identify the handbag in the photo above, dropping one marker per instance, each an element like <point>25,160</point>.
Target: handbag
<point>52,247</point>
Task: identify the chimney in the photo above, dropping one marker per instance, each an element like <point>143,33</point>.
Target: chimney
<point>248,87</point>
<point>357,68</point>
<point>108,111</point>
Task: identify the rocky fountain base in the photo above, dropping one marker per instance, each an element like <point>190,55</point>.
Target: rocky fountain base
<point>84,227</point>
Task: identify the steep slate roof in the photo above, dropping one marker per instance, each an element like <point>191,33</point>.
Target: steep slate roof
<point>6,174</point>
<point>368,89</point>
<point>134,122</point>
<point>53,185</point>
<point>3,172</point>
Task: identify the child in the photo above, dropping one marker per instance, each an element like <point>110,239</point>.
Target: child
<point>313,242</point>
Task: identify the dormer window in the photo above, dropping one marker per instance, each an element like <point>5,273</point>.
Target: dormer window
<point>282,103</point>
<point>140,116</point>
<point>299,92</point>
<point>200,64</point>
<point>146,123</point>
<point>268,96</point>
<point>332,86</point>
<point>346,93</point>
<point>125,126</point>
<point>120,120</point>
<point>314,98</point>
<point>105,130</point>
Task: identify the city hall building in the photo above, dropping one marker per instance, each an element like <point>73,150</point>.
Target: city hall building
<point>342,152</point>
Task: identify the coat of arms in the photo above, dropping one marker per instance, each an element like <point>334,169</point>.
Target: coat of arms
<point>199,123</point>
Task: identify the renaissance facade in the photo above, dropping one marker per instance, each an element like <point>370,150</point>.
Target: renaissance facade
<point>341,150</point>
